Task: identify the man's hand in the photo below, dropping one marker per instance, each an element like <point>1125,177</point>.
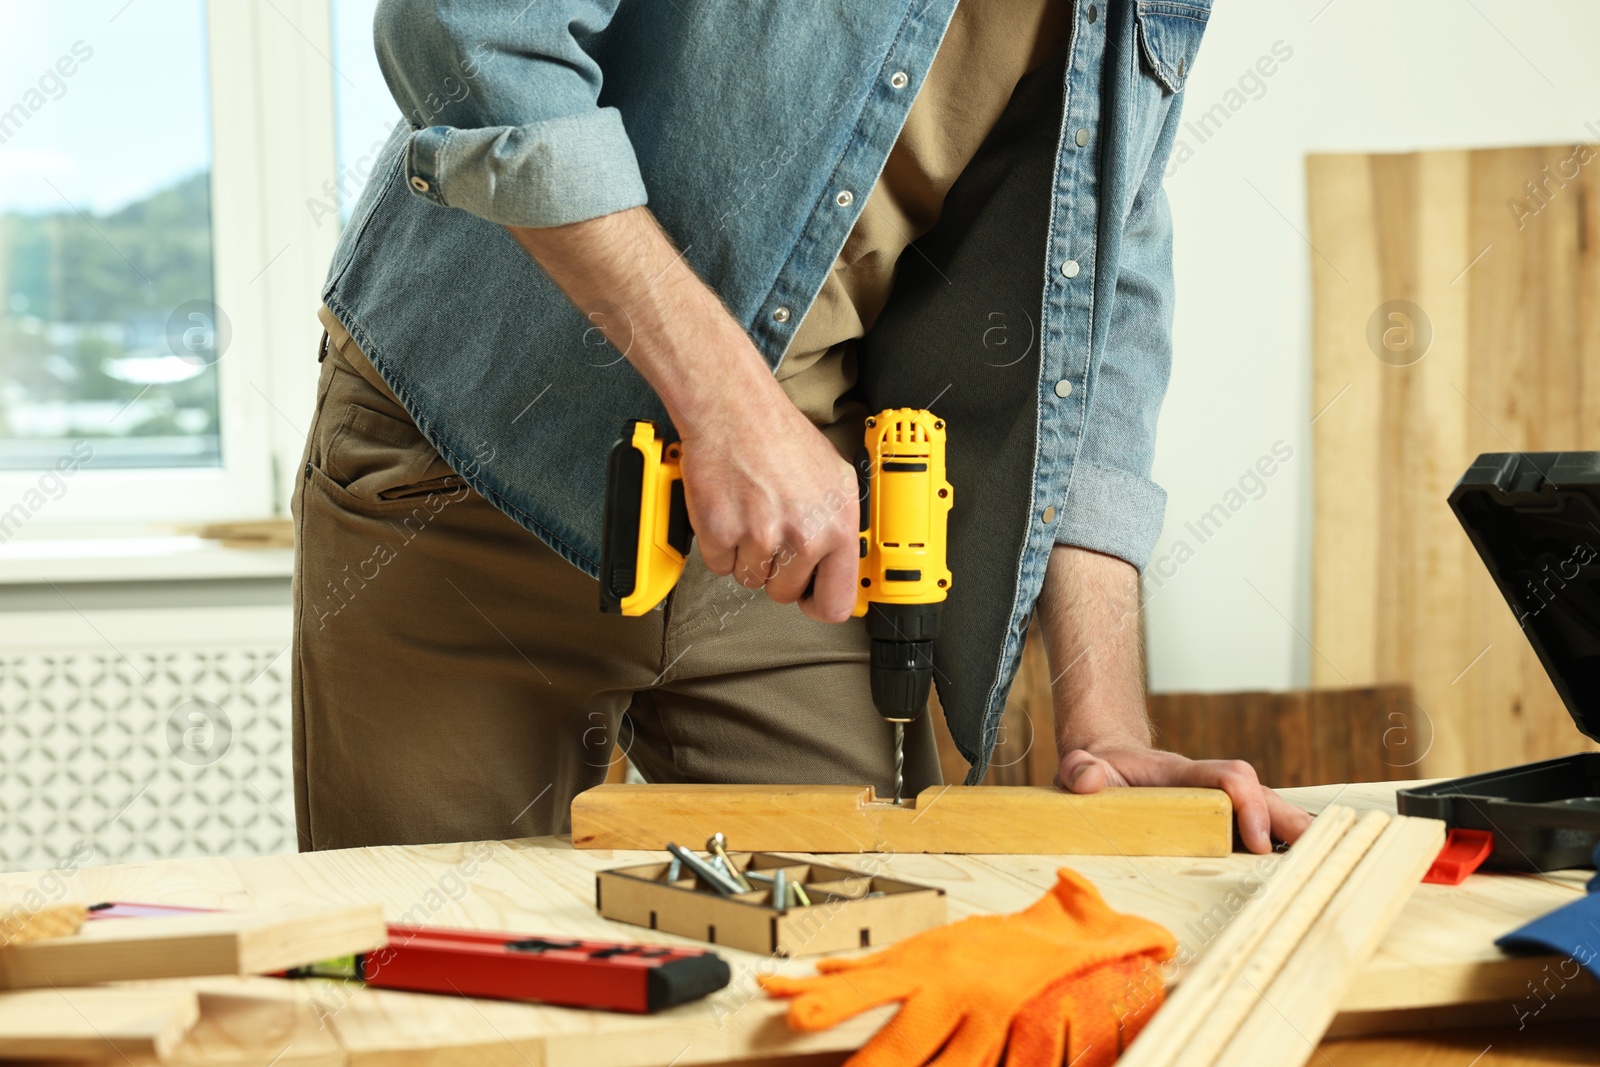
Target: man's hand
<point>1261,814</point>
<point>772,503</point>
<point>1089,610</point>
<point>770,499</point>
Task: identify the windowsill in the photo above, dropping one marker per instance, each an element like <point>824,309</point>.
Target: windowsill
<point>141,557</point>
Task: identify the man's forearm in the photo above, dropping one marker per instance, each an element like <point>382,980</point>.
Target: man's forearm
<point>623,273</point>
<point>753,508</point>
<point>1089,611</point>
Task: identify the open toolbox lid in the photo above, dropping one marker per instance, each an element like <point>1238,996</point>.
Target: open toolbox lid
<point>1534,518</point>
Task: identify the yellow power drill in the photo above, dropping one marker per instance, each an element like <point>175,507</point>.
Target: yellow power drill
<point>904,578</point>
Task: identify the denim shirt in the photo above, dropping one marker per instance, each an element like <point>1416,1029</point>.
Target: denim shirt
<point>1037,323</point>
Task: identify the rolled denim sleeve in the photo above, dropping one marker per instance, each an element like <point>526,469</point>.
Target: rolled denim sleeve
<point>503,103</point>
<point>1113,505</point>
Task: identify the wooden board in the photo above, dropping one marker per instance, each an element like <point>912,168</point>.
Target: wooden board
<point>81,1024</point>
<point>1509,287</point>
<point>1294,1010</point>
<point>1027,820</point>
<point>1439,952</point>
<point>1292,738</point>
<point>19,924</point>
<point>1194,1002</point>
<point>227,942</point>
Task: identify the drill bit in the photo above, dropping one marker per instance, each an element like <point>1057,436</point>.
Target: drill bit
<point>899,761</point>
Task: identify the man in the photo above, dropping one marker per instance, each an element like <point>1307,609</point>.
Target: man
<point>504,300</point>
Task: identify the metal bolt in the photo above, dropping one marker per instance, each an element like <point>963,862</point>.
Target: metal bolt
<point>705,871</point>
<point>717,845</point>
<point>780,890</point>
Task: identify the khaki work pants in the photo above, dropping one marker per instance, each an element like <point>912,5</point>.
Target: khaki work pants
<point>454,679</point>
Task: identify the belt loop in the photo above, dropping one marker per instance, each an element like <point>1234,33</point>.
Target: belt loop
<point>322,349</point>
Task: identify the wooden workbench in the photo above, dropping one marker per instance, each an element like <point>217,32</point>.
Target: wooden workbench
<point>1438,958</point>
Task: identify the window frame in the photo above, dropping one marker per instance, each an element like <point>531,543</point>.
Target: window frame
<point>270,82</point>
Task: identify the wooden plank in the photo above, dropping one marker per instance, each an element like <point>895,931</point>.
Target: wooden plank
<point>1345,404</point>
<point>81,1024</point>
<point>19,924</point>
<point>1500,262</point>
<point>1281,942</point>
<point>1292,738</point>
<point>1293,1012</point>
<point>943,819</point>
<point>226,942</point>
<point>1172,1028</point>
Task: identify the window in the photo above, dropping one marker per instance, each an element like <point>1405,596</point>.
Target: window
<point>160,257</point>
<point>109,333</point>
<point>365,113</point>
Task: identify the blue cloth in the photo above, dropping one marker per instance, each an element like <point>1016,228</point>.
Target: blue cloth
<point>741,124</point>
<point>1572,930</point>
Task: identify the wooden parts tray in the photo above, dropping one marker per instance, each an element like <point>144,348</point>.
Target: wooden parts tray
<point>997,820</point>
<point>841,915</point>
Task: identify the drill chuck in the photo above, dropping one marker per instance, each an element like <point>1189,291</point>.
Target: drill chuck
<point>902,657</point>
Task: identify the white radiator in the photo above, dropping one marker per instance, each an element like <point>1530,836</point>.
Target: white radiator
<point>143,735</point>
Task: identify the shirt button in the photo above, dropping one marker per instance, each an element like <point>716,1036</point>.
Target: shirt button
<point>1093,12</point>
<point>1049,515</point>
<point>780,314</point>
<point>1063,388</point>
<point>1069,269</point>
<point>419,184</point>
<point>1082,137</point>
<point>898,79</point>
<point>845,198</point>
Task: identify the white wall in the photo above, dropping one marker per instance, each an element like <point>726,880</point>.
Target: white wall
<point>1364,75</point>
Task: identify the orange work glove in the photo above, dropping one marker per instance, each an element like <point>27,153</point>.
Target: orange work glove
<point>961,986</point>
<point>1088,1019</point>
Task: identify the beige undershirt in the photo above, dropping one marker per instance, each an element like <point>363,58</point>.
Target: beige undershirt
<point>989,46</point>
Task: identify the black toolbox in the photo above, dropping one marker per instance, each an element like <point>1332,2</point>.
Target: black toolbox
<point>1534,518</point>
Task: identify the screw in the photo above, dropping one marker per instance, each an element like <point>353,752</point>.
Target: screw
<point>705,871</point>
<point>717,845</point>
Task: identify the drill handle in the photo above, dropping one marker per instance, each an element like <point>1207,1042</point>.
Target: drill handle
<point>646,535</point>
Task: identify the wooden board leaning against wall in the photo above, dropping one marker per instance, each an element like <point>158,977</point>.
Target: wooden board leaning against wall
<point>1456,311</point>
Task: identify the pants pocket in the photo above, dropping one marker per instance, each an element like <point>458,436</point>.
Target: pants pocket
<point>372,459</point>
